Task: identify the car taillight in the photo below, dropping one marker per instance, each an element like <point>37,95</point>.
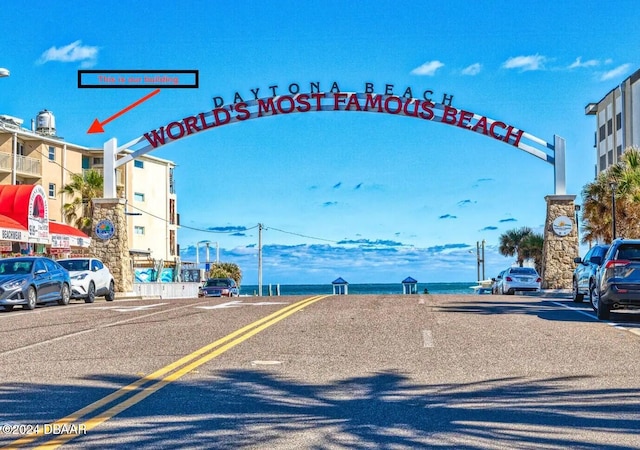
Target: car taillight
<point>509,279</point>
<point>616,263</point>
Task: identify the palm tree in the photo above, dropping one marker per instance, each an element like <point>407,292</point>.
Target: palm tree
<point>597,200</point>
<point>83,188</point>
<point>224,270</point>
<point>531,247</point>
<point>510,243</point>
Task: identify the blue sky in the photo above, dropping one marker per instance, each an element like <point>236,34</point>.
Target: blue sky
<point>368,197</point>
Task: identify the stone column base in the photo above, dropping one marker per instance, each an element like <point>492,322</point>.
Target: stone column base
<point>114,251</point>
<point>559,248</point>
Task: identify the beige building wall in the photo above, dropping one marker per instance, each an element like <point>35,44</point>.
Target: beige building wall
<point>151,222</point>
<point>52,161</point>
<point>617,122</point>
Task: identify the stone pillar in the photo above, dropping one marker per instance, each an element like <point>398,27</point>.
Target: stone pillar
<point>560,242</point>
<point>109,240</point>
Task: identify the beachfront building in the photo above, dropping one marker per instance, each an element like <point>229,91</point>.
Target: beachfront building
<point>617,121</point>
<point>37,156</point>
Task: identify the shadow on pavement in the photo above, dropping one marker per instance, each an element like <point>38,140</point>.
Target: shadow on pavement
<point>233,409</point>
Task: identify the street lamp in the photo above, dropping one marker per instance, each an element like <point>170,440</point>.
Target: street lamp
<point>198,252</point>
<point>4,72</point>
<point>577,209</point>
<point>480,259</point>
<point>613,185</point>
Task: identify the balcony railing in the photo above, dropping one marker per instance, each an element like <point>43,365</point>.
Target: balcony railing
<point>28,166</point>
<point>24,165</point>
<point>5,161</point>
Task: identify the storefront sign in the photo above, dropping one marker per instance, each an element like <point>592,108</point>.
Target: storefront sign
<point>38,216</point>
<point>6,246</point>
<point>14,235</point>
<point>58,241</point>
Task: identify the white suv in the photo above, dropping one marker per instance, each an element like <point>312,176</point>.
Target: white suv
<point>89,278</point>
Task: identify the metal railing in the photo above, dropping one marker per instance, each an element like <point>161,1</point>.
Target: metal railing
<point>28,166</point>
<point>5,161</point>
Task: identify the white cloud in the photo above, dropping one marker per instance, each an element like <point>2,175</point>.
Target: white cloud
<point>428,69</point>
<point>73,52</point>
<point>615,73</point>
<point>578,63</point>
<point>525,63</point>
<point>473,69</point>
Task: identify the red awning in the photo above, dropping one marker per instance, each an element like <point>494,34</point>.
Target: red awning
<point>65,236</point>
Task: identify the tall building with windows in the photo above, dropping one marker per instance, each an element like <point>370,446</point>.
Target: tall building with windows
<point>617,121</point>
<point>37,156</point>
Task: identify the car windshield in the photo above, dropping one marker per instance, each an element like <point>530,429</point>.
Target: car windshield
<point>75,264</point>
<point>523,271</point>
<point>15,267</point>
<point>216,283</point>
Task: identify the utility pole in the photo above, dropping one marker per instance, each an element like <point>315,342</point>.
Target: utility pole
<point>480,259</point>
<point>260,260</point>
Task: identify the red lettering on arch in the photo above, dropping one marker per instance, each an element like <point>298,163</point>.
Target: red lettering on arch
<point>465,118</point>
<point>283,99</point>
<point>449,115</point>
<point>353,101</point>
<point>427,106</point>
<point>156,139</point>
<point>173,125</point>
<point>482,123</point>
<point>493,134</point>
<point>191,124</point>
<point>373,101</point>
<point>338,98</point>
<point>266,107</point>
<point>517,135</point>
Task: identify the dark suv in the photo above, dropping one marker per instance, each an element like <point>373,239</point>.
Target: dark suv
<point>219,287</point>
<point>585,273</point>
<point>617,282</point>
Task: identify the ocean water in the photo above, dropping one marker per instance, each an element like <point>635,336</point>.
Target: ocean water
<point>375,288</point>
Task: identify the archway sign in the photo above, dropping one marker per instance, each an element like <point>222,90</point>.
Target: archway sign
<point>334,99</point>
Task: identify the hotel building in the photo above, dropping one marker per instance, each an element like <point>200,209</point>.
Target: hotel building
<point>37,156</point>
<point>617,121</point>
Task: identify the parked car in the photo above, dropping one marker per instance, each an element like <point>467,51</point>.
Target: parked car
<point>219,287</point>
<point>585,272</point>
<point>519,279</point>
<point>617,282</point>
<point>29,280</point>
<point>495,287</point>
<point>90,278</point>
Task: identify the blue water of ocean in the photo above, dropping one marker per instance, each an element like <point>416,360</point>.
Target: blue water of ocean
<point>355,289</point>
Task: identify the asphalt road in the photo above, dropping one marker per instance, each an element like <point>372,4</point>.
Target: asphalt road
<point>392,372</point>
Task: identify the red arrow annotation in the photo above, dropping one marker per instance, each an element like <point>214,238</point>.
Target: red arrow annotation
<point>97,126</point>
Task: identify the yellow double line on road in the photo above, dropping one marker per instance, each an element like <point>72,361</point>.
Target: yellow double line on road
<point>137,391</point>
